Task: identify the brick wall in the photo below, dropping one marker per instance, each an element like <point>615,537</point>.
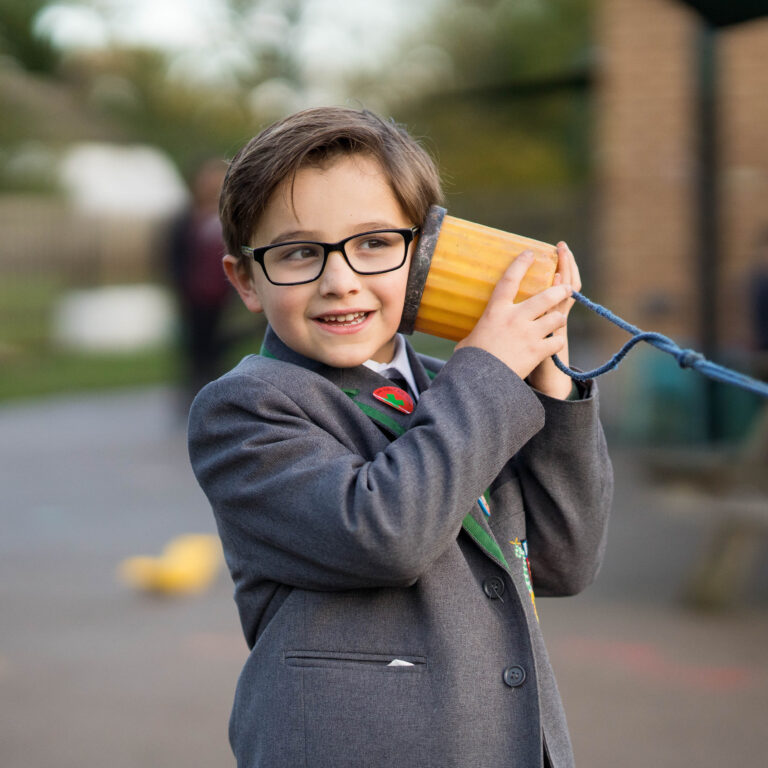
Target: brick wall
<point>646,160</point>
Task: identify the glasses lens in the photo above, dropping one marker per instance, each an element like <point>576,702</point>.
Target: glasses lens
<point>294,263</point>
<point>376,251</point>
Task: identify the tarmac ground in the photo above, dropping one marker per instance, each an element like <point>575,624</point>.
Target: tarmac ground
<point>94,674</point>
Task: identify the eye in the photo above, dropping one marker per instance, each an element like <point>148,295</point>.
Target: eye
<point>296,252</point>
<point>372,243</point>
<point>377,241</point>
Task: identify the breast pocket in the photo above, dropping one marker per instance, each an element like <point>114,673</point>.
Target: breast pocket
<point>342,660</point>
<point>364,708</point>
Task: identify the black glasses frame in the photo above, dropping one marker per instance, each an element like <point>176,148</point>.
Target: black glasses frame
<point>257,254</point>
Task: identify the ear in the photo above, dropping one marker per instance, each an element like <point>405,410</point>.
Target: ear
<point>242,279</point>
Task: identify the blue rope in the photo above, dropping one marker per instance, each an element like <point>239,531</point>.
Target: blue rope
<point>686,358</point>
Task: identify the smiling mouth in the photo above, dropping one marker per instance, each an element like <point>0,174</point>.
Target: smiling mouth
<point>350,319</point>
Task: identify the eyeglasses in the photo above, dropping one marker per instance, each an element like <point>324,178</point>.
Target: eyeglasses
<point>369,253</point>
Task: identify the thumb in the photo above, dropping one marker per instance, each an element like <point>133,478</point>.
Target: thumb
<point>509,283</point>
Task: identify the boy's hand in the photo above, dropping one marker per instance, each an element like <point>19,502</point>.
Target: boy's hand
<point>526,335</point>
<point>546,377</point>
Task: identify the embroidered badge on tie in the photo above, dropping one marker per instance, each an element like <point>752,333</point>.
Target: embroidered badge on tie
<point>521,553</point>
<point>396,397</point>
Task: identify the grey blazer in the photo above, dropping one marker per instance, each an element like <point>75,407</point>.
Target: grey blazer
<point>355,539</point>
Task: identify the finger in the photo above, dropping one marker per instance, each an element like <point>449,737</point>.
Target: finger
<point>576,277</point>
<point>546,300</point>
<point>550,322</point>
<point>564,262</point>
<point>563,267</point>
<point>567,266</point>
<point>509,283</point>
<point>552,345</point>
<point>517,270</point>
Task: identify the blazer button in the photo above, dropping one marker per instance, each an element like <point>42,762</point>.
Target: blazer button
<point>493,587</point>
<point>514,676</point>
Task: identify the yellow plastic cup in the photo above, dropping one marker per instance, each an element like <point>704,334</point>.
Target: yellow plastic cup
<point>454,269</point>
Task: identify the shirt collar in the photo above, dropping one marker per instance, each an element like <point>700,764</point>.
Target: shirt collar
<point>399,364</point>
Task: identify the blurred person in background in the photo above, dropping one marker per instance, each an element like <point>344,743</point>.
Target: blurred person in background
<point>758,285</point>
<point>194,264</point>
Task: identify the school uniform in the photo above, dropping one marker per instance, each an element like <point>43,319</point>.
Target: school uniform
<point>389,615</point>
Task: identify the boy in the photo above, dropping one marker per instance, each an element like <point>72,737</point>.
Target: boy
<point>379,555</point>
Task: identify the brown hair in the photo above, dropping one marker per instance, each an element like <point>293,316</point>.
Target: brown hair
<point>315,136</point>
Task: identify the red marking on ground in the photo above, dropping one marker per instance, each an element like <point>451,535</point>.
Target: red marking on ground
<point>649,662</point>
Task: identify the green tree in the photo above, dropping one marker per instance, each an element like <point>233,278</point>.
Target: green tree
<point>19,40</point>
<point>512,42</point>
<point>509,116</point>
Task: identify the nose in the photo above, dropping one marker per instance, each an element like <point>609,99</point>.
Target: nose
<point>338,278</point>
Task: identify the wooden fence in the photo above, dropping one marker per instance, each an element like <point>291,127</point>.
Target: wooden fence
<point>42,235</point>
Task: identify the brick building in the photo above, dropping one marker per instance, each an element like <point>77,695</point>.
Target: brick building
<point>648,165</point>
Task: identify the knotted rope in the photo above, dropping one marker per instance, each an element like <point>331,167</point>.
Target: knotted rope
<point>686,358</point>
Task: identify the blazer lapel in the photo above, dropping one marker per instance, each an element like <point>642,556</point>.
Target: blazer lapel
<point>358,384</point>
<point>476,525</point>
<point>422,376</point>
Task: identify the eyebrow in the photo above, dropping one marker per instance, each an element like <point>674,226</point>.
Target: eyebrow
<point>307,235</point>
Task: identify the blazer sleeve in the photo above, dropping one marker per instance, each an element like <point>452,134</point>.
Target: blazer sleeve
<point>566,481</point>
<point>296,503</point>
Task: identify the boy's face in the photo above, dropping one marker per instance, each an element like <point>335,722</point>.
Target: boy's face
<point>347,196</point>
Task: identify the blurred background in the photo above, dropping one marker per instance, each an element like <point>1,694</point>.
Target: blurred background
<point>634,131</point>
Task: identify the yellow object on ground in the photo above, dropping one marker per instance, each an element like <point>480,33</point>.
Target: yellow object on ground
<point>189,563</point>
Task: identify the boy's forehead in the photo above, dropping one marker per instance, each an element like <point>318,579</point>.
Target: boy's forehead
<point>346,186</point>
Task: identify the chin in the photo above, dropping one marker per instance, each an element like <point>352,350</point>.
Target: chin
<point>345,356</point>
<point>349,360</point>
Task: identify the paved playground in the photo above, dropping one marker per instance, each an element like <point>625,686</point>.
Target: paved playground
<point>94,674</point>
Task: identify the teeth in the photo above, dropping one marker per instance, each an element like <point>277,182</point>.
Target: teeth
<point>355,316</point>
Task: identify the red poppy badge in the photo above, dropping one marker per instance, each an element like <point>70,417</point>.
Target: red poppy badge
<point>396,397</point>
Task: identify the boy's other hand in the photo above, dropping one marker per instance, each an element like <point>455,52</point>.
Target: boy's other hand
<point>546,377</point>
<point>526,335</point>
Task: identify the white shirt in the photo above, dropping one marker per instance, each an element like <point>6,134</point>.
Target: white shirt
<point>398,365</point>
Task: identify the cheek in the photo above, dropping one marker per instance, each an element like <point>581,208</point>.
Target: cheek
<point>285,305</point>
<point>393,295</point>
